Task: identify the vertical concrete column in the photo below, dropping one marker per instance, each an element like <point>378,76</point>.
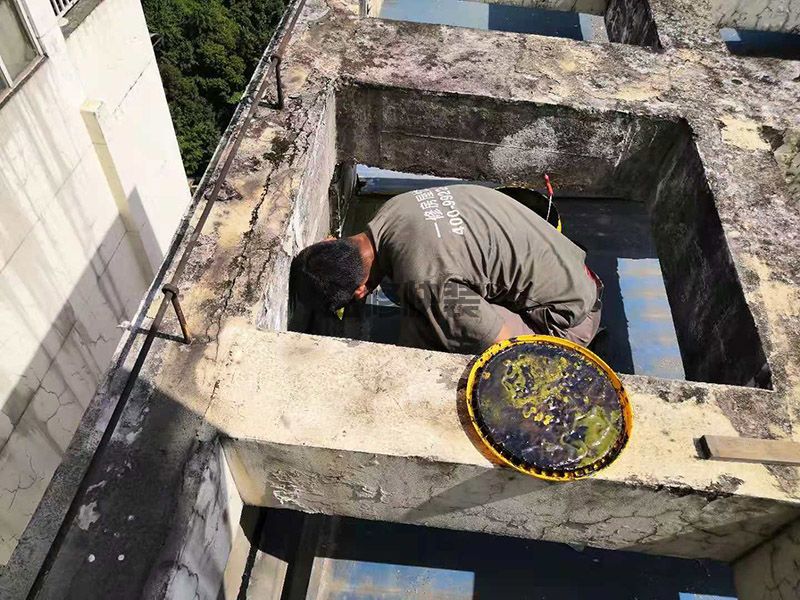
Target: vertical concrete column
<point>93,114</point>
<point>371,8</point>
<point>772,570</point>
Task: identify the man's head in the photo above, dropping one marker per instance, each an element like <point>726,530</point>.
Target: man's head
<point>329,274</point>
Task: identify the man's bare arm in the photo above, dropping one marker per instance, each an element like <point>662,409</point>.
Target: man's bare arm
<point>504,333</point>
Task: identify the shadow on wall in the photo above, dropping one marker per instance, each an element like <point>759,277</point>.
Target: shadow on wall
<point>159,485</point>
<point>45,398</point>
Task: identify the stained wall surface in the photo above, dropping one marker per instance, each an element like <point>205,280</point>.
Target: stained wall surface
<point>91,191</point>
<point>771,571</point>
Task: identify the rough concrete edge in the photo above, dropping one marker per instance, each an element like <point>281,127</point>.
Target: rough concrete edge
<point>77,15</point>
<point>666,113</point>
<point>19,574</point>
<point>677,489</point>
<point>289,484</point>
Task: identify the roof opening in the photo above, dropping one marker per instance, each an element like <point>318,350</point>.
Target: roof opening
<point>587,20</point>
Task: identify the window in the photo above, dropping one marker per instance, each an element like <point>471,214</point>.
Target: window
<point>17,48</point>
<point>60,7</point>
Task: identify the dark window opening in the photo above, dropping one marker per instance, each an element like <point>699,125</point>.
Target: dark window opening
<point>343,558</point>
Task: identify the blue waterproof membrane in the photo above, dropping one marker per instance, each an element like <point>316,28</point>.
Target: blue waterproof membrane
<point>496,17</point>
<point>639,336</point>
<point>651,334</point>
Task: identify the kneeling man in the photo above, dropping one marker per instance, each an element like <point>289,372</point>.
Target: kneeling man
<point>470,266</point>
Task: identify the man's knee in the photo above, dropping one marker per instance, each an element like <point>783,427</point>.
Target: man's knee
<point>583,333</point>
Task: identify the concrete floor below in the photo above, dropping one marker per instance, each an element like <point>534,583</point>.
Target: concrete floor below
<point>335,558</point>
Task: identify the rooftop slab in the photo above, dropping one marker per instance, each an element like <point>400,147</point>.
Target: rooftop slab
<point>275,201</point>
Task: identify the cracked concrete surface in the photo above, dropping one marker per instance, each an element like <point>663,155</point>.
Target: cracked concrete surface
<point>657,498</point>
<point>760,15</point>
<point>772,571</point>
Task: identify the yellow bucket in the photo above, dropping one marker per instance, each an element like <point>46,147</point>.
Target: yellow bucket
<point>548,407</point>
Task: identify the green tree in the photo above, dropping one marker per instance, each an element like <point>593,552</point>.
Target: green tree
<point>207,53</point>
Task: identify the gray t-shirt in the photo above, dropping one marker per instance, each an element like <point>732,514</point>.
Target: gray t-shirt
<point>454,251</point>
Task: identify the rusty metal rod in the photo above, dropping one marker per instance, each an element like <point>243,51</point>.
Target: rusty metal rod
<point>166,301</point>
<point>172,292</point>
<point>276,59</point>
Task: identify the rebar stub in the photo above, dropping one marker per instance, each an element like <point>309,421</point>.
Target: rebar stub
<point>548,407</point>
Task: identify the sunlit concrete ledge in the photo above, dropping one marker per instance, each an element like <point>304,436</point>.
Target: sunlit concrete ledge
<point>353,428</point>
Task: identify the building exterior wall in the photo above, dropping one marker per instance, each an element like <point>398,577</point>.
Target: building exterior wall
<point>91,191</point>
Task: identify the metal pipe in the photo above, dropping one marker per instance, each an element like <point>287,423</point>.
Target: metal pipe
<point>166,300</point>
<point>276,59</point>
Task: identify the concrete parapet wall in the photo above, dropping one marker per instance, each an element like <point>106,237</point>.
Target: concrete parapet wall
<point>359,429</point>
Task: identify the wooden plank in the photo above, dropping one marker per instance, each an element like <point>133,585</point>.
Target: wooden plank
<point>753,450</point>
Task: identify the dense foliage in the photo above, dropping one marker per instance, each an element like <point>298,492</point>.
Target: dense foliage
<point>207,53</point>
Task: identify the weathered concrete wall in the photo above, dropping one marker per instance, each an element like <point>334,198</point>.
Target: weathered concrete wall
<point>479,137</point>
<point>592,7</point>
<point>771,571</point>
<point>631,22</point>
<point>193,561</point>
<point>342,427</point>
<point>310,219</point>
<point>761,15</point>
<point>72,266</point>
<point>717,335</point>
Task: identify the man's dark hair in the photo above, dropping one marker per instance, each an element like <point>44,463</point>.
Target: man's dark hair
<point>326,275</point>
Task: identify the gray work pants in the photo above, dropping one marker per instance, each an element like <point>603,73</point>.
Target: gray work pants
<point>583,333</point>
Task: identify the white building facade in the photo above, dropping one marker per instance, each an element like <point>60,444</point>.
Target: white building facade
<point>91,191</point>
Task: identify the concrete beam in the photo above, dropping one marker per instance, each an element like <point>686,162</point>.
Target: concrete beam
<point>359,429</point>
